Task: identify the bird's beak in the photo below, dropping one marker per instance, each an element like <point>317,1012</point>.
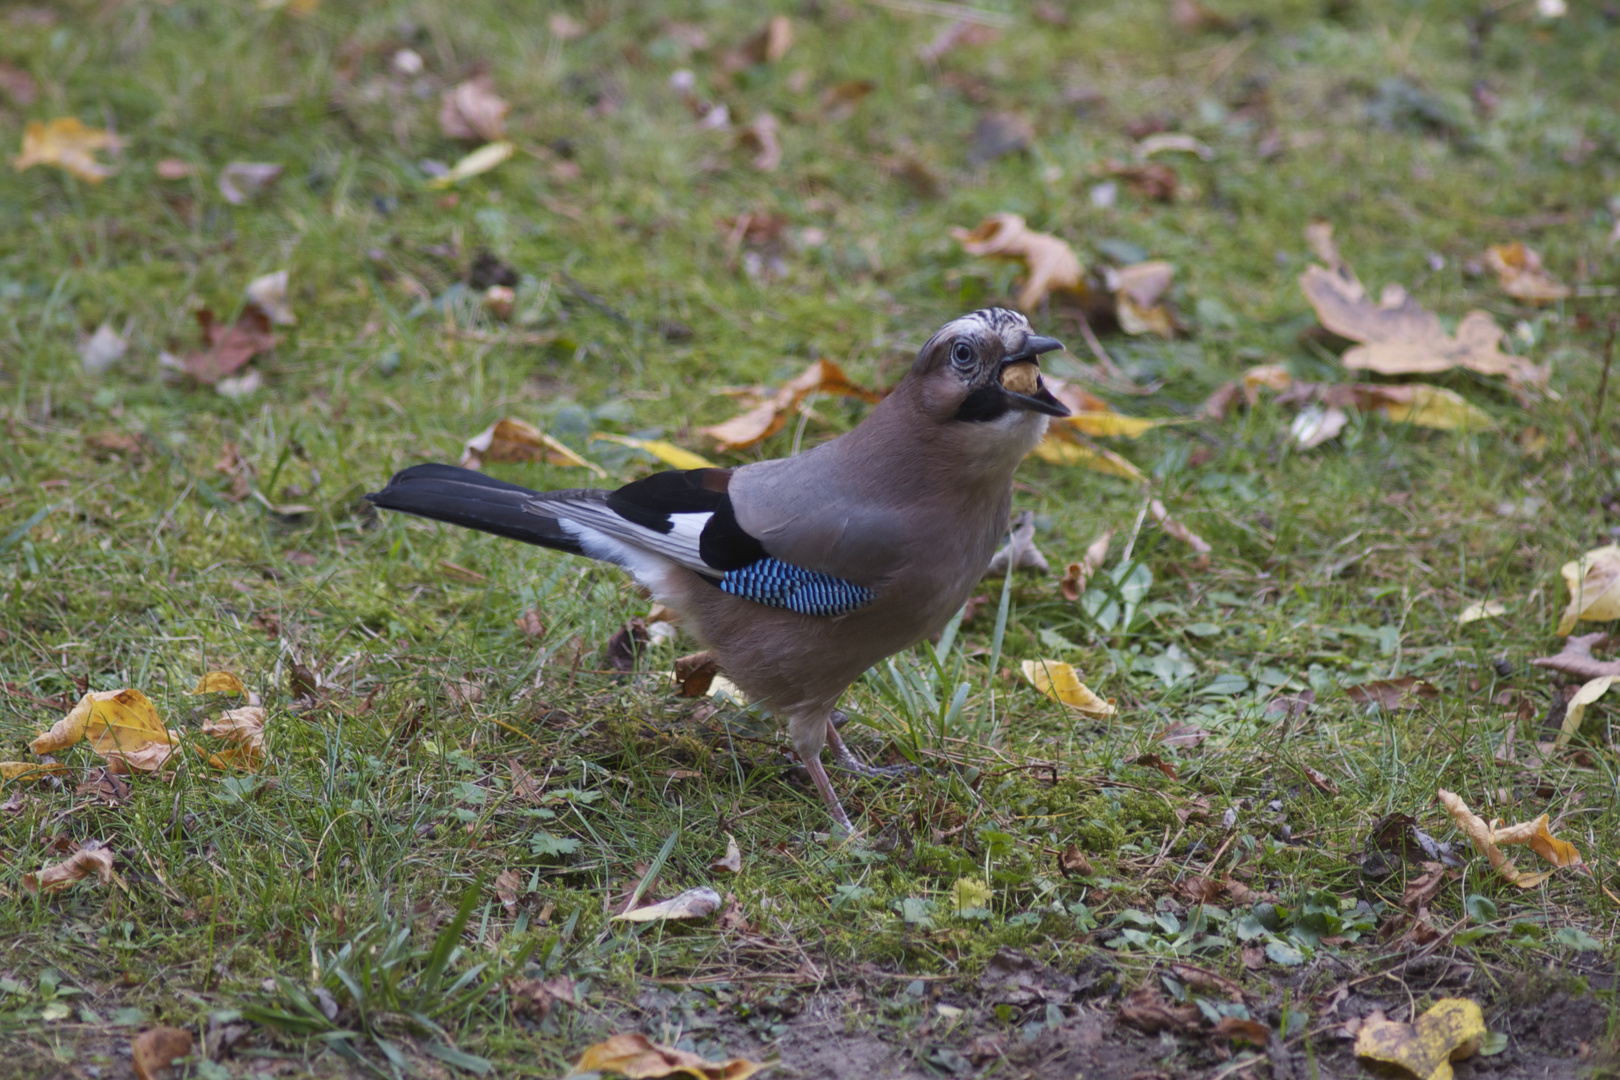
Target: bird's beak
<point>1038,398</point>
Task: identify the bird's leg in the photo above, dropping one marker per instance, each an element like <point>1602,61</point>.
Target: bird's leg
<point>849,761</point>
<point>809,733</point>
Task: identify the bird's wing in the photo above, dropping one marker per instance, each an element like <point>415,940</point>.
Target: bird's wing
<point>687,517</point>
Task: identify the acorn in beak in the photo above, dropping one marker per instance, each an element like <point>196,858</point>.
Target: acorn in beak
<point>1021,378</point>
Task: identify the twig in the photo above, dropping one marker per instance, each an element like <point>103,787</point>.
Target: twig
<point>1109,367</point>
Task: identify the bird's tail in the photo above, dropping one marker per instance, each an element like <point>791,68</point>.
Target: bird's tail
<point>469,498</point>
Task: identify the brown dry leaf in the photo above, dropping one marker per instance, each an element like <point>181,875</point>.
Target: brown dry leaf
<point>1321,781</point>
<point>636,1056</point>
<point>1319,238</point>
<point>1398,337</point>
<point>1020,552</point>
<point>219,682</point>
<point>766,46</point>
<point>519,440</point>
<point>1147,1011</point>
<point>1576,658</point>
<point>1060,682</point>
<point>1152,179</point>
<point>524,785</point>
<point>766,418</point>
<point>1076,574</point>
<point>732,862</point>
<point>229,347</point>
<point>1073,862</point>
<point>240,181</point>
<point>154,1050</point>
<point>529,623</point>
<point>269,293</point>
<point>1521,275</point>
<point>148,757</point>
<point>1182,734</point>
<point>695,903</point>
<point>1176,529</point>
<point>1450,1031</point>
<point>1154,761</point>
<point>508,887</point>
<point>696,672</point>
<point>1138,292</point>
<point>1053,265</point>
<point>538,997</point>
<point>88,860</point>
<point>245,728</point>
<point>1401,693</point>
<point>1237,1028</point>
<point>473,111</point>
<point>66,144</point>
<point>1593,581</point>
<point>961,33</point>
<point>838,102</point>
<point>760,139</point>
<point>1490,838</point>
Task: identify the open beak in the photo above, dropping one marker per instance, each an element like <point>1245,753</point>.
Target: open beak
<point>1040,399</point>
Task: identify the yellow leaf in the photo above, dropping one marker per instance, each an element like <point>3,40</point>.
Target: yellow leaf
<point>1576,710</point>
<point>637,1057</point>
<point>1521,275</point>
<point>1104,424</point>
<point>1059,450</point>
<point>519,440</point>
<point>1481,609</point>
<point>1433,407</point>
<point>667,452</point>
<point>1053,265</point>
<point>113,718</point>
<point>1059,681</point>
<point>219,682</point>
<point>67,144</point>
<point>1594,588</point>
<point>23,771</point>
<point>970,893</point>
<point>1450,1031</point>
<point>479,161</point>
<point>1490,839</point>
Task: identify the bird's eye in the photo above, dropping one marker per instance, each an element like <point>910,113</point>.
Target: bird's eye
<point>962,354</point>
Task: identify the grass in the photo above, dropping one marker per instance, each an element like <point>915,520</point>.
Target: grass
<point>127,560</point>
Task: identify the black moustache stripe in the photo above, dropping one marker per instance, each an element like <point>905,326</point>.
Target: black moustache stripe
<point>988,402</point>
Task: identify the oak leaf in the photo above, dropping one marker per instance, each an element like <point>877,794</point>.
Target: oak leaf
<point>1053,265</point>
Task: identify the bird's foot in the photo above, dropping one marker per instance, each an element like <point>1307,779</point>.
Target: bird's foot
<point>849,761</point>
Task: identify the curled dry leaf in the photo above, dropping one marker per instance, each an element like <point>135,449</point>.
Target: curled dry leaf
<point>1073,862</point>
<point>637,1056</point>
<point>1401,693</point>
<point>154,1051</point>
<point>1146,1010</point>
<point>539,996</point>
<point>1315,425</point>
<point>90,859</point>
<point>1450,1031</point>
<point>1399,337</point>
<point>101,350</point>
<point>696,673</point>
<point>245,728</point>
<point>519,440</point>
<point>508,887</point>
<point>229,347</point>
<point>1490,839</point>
<point>112,719</point>
<point>1521,275</point>
<point>1575,711</point>
<point>530,624</point>
<point>1166,142</point>
<point>1576,658</point>
<point>1053,265</point>
<point>1593,581</point>
<point>696,903</point>
<point>1076,574</point>
<point>667,452</point>
<point>473,111</point>
<point>1020,552</point>
<point>731,862</point>
<point>1059,681</point>
<point>477,163</point>
<point>767,418</point>
<point>1064,445</point>
<point>759,138</point>
<point>1138,291</point>
<point>1176,529</point>
<point>242,180</point>
<point>219,682</point>
<point>23,772</point>
<point>269,293</point>
<point>66,144</point>
<point>1481,609</point>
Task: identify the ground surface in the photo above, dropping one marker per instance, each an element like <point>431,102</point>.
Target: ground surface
<point>443,707</point>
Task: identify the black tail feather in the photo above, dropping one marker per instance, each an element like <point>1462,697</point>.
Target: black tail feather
<point>469,498</point>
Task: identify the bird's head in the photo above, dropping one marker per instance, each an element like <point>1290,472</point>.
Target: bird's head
<point>984,368</point>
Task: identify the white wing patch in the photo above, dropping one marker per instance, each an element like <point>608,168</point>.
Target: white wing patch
<point>606,535</point>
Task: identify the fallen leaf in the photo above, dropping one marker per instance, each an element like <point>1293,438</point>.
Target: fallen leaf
<point>23,772</point>
<point>1052,263</point>
<point>242,180</point>
<point>154,1050</point>
<point>1426,406</point>
<point>508,887</point>
<point>636,1057</point>
<point>1237,1028</point>
<point>1401,693</point>
<point>66,144</point>
<point>1138,291</point>
<point>472,110</point>
<point>1315,425</point>
<point>111,718</point>
<point>1152,179</point>
<point>1182,734</point>
<point>767,418</point>
<point>1575,711</point>
<point>219,682</point>
<point>269,293</point>
<point>1154,761</point>
<point>1147,1011</point>
<point>1166,142</point>
<point>1490,839</point>
<point>1521,275</point>
<point>731,862</point>
<point>667,452</point>
<point>1576,658</point>
<point>997,134</point>
<point>1065,446</point>
<point>519,440</point>
<point>524,785</point>
<point>768,45</point>
<point>17,84</point>
<point>245,728</point>
<point>1319,238</point>
<point>1020,552</point>
<point>88,860</point>
<point>1076,574</point>
<point>1481,609</point>
<point>101,350</point>
<point>1450,1031</point>
<point>1398,337</point>
<point>627,643</point>
<point>1073,862</point>
<point>539,996</point>
<point>229,347</point>
<point>1321,781</point>
<point>478,162</point>
<point>529,622</point>
<point>174,169</point>
<point>960,33</point>
<point>696,673</point>
<point>760,138</point>
<point>692,904</point>
<point>1176,529</point>
<point>1593,581</point>
<point>1060,682</point>
<point>838,101</point>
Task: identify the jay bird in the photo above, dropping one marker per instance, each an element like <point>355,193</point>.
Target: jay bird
<point>801,573</point>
